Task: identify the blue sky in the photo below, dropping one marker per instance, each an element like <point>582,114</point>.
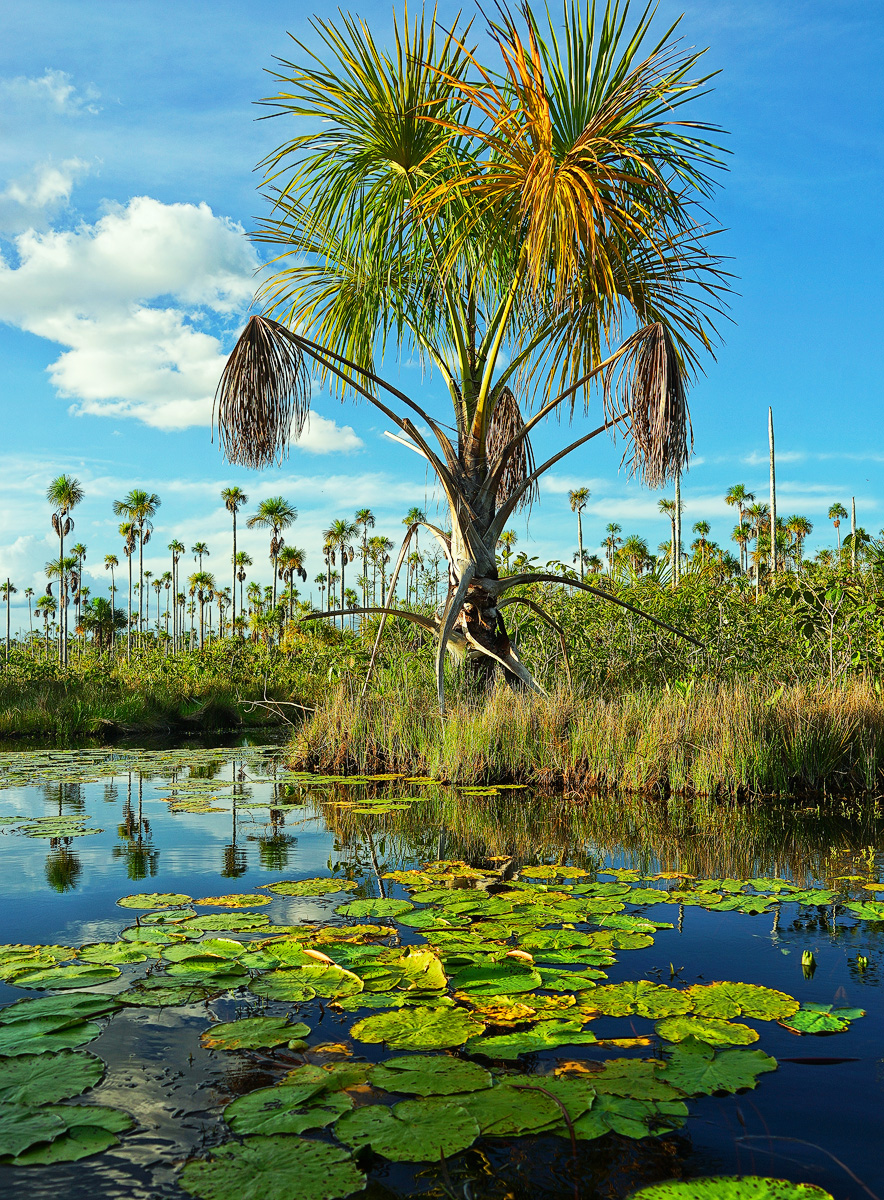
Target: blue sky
<point>127,152</point>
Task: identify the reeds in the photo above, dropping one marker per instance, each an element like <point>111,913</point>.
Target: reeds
<point>730,739</point>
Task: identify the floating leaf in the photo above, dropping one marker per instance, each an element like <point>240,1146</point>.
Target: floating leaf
<point>287,1108</point>
<point>411,1131</point>
<point>716,1033</point>
<point>168,916</point>
<point>165,996</point>
<point>303,983</point>
<point>570,981</point>
<point>421,970</point>
<point>726,1000</point>
<point>637,1078</point>
<point>731,1187</point>
<point>630,1118</point>
<point>76,976</point>
<point>108,953</point>
<point>228,921</point>
<point>310,887</point>
<point>266,1166</point>
<point>145,935</point>
<point>70,1007</point>
<point>508,977</point>
<point>430,1075</point>
<point>374,908</point>
<point>642,998</point>
<point>697,1069</point>
<point>867,910</point>
<point>419,1028</point>
<point>21,1128</point>
<point>90,1129</point>
<point>154,900</point>
<point>545,1036</point>
<point>34,1079</point>
<point>821,1018</point>
<point>44,1034</point>
<point>251,1033</point>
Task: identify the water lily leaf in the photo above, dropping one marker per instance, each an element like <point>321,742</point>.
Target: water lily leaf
<point>262,1168</point>
<point>109,953</point>
<point>637,1078</point>
<point>421,971</point>
<point>429,918</point>
<point>731,1187</point>
<point>642,998</point>
<point>546,1035</point>
<point>866,910</point>
<point>224,948</point>
<point>818,1018</point>
<point>411,1131</point>
<point>79,975</point>
<point>310,887</point>
<point>696,1068</point>
<point>706,1029</point>
<point>374,908</point>
<point>251,1033</point>
<point>628,1117</point>
<point>208,966</point>
<point>587,957</point>
<point>632,923</point>
<point>90,1129</point>
<point>150,936</point>
<point>287,1108</point>
<point>21,1128</point>
<point>167,996</point>
<point>45,1034</point>
<point>726,1000</point>
<point>378,977</point>
<point>57,827</point>
<point>555,939</point>
<point>228,921</point>
<point>154,900</point>
<point>812,896</point>
<point>437,1028</point>
<point>430,1075</point>
<point>167,916</point>
<point>33,1079</point>
<point>647,895</point>
<point>505,1111</point>
<point>508,977</point>
<point>570,981</point>
<point>17,952</point>
<point>287,952</point>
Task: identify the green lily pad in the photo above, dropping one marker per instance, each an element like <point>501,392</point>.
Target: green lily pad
<point>429,918</point>
<point>310,887</point>
<point>34,1079</point>
<point>814,896</point>
<point>76,976</point>
<point>697,1069</point>
<point>90,1129</point>
<point>725,1000</point>
<point>221,948</point>
<point>227,921</point>
<point>820,1018</point>
<point>43,1035</point>
<point>642,998</point>
<point>167,996</point>
<point>570,981</point>
<point>505,1111</point>
<point>263,1168</point>
<point>421,970</point>
<point>154,900</point>
<point>150,936</point>
<point>68,1008</point>
<point>430,1075</point>
<point>110,953</point>
<point>287,1109</point>
<point>419,1028</point>
<point>252,1033</point>
<point>867,910</point>
<point>21,1128</point>
<point>303,983</point>
<point>630,1118</point>
<point>706,1029</point>
<point>547,1035</point>
<point>237,900</point>
<point>637,1078</point>
<point>411,1131</point>
<point>508,977</point>
<point>374,908</point>
<point>731,1187</point>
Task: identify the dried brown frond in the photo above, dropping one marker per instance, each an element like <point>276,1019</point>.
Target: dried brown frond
<point>263,396</point>
<point>648,383</point>
<point>506,422</point>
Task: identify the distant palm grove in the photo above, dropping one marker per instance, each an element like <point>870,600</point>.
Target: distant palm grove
<point>188,604</point>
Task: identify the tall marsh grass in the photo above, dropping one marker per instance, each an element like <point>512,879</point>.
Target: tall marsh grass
<point>729,739</point>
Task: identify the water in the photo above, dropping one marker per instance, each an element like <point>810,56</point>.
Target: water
<point>817,1118</point>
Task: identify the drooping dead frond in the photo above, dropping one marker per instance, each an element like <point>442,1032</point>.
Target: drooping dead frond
<point>506,422</point>
<point>263,397</point>
<point>648,384</point>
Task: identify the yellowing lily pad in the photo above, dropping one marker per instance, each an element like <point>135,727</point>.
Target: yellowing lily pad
<point>419,1028</point>
<point>726,1000</point>
<point>706,1029</point>
<point>154,900</point>
<point>239,900</point>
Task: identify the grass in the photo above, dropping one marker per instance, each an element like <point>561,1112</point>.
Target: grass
<point>730,739</point>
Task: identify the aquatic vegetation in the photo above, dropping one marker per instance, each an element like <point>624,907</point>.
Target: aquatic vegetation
<point>725,1187</point>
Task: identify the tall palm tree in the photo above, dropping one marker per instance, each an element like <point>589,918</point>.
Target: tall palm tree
<point>798,528</point>
<point>111,562</point>
<point>291,563</point>
<point>148,576</point>
<point>234,498</point>
<point>757,514</point>
<point>166,580</point>
<point>274,514</point>
<point>670,509</point>
<point>836,514</point>
<point>611,542</point>
<point>29,595</point>
<point>742,535</point>
<point>701,529</point>
<point>578,500</point>
<point>64,494</point>
<point>7,591</point>
<point>177,548</point>
<point>381,548</point>
<point>46,607</point>
<point>242,560</point>
<point>364,519</point>
<point>635,552</point>
<point>129,534</point>
<point>202,584</point>
<point>319,580</point>
<point>507,541</point>
<point>199,550</point>
<point>139,507</point>
<point>507,232</point>
<point>339,538</point>
<point>79,552</point>
<point>740,497</point>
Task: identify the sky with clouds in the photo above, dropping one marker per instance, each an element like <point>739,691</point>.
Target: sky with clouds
<point>128,142</point>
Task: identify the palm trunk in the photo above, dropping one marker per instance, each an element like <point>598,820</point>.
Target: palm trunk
<point>129,614</point>
<point>773,496</point>
<point>672,555</point>
<point>343,568</point>
<point>62,642</point>
<point>853,534</point>
<point>202,630</point>
<point>140,581</point>
<point>273,560</point>
<point>233,586</point>
<point>579,543</point>
<point>678,528</point>
<point>8,617</point>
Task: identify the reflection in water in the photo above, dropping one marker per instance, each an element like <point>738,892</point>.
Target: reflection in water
<point>65,797</point>
<point>142,859</point>
<point>62,866</point>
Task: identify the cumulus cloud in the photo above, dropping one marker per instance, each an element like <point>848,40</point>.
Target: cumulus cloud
<point>27,203</point>
<point>53,90</point>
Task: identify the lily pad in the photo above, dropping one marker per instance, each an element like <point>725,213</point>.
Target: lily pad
<point>287,1109</point>
<point>731,1187</point>
<point>821,1018</point>
<point>263,1168</point>
<point>45,1034</point>
<point>374,908</point>
<point>167,996</point>
<point>505,978</point>
<point>706,1029</point>
<point>253,1033</point>
<point>310,887</point>
<point>109,953</point>
<point>90,1129</point>
<point>154,900</point>
<point>642,998</point>
<point>68,1008</point>
<point>234,901</point>
<point>430,1075</point>
<point>505,1111</point>
<point>419,1028</point>
<point>725,1000</point>
<point>637,1078</point>
<point>630,1118</point>
<point>697,1069</point>
<point>228,921</point>
<point>34,1079</point>
<point>547,1035</point>
<point>303,983</point>
<point>21,1128</point>
<point>411,1131</point>
<point>76,976</point>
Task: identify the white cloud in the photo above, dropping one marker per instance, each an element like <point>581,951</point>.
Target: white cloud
<point>52,90</point>
<point>322,436</point>
<point>27,203</point>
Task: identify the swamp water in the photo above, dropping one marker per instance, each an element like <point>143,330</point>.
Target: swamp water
<point>223,978</point>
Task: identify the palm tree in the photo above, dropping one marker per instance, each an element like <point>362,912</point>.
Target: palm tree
<point>670,508</point>
<point>242,560</point>
<point>177,549</point>
<point>380,556</point>
<point>202,584</point>
<point>64,494</point>
<point>757,513</point>
<point>102,620</point>
<point>798,528</point>
<point>29,594</point>
<point>139,507</point>
<point>291,563</point>
<point>635,551</point>
<point>836,514</point>
<point>578,500</point>
<point>46,607</point>
<point>129,533</point>
<point>504,232</point>
<point>611,542</point>
<point>157,587</point>
<point>338,539</point>
<point>199,550</point>
<point>111,562</point>
<point>742,535</point>
<point>320,581</point>
<point>234,498</point>
<point>7,591</point>
<point>274,514</point>
<point>148,576</point>
<point>364,520</point>
<point>701,529</point>
<point>506,542</point>
<point>166,580</point>
<point>79,552</point>
<point>739,496</point>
